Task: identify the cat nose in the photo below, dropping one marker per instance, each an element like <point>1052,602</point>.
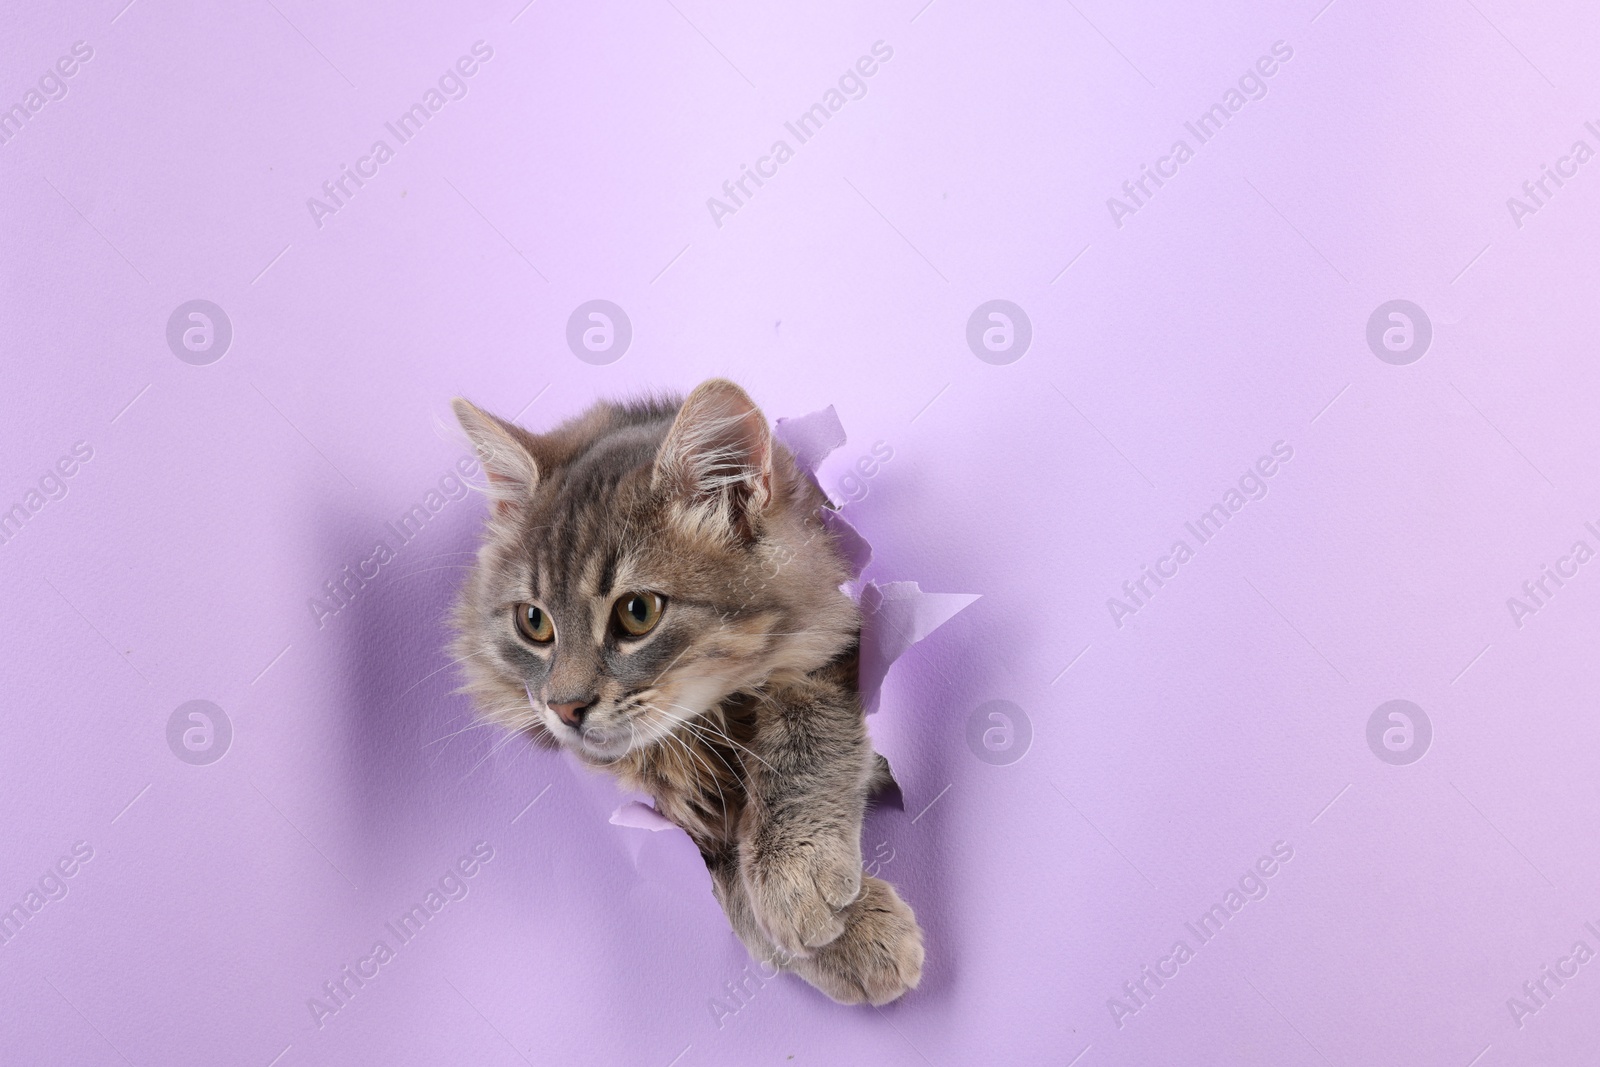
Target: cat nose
<point>572,711</point>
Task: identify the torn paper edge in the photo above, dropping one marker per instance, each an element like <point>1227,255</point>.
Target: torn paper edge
<point>894,615</point>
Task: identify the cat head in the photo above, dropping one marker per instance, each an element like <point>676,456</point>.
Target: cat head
<point>640,564</point>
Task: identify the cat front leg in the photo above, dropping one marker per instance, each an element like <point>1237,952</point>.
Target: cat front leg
<point>875,960</point>
<point>727,883</point>
<point>808,767</point>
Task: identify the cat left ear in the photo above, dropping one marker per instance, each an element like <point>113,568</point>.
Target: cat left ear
<point>719,448</point>
<point>506,451</point>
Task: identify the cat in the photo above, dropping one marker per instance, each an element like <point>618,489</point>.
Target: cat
<point>657,594</point>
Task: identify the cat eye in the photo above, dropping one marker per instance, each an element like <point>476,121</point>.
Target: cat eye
<point>638,613</point>
<point>533,623</point>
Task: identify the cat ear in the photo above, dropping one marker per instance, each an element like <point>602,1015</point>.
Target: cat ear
<point>719,448</point>
<point>506,451</point>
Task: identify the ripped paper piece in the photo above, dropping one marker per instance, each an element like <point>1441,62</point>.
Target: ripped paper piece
<point>658,858</point>
<point>893,618</point>
<point>855,549</point>
<point>811,437</point>
<point>641,817</point>
<point>635,815</point>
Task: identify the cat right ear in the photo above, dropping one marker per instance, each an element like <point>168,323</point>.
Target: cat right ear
<point>506,451</point>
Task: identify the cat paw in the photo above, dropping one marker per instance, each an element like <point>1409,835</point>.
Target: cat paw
<point>879,955</point>
<point>799,891</point>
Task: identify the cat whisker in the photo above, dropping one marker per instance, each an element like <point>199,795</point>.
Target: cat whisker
<point>699,759</point>
<point>442,555</point>
<point>703,725</point>
<point>447,666</point>
<point>704,733</point>
<point>452,736</point>
<point>510,736</point>
<point>714,738</point>
<point>458,733</point>
<point>429,570</point>
<point>662,672</point>
<point>710,773</point>
<point>698,734</point>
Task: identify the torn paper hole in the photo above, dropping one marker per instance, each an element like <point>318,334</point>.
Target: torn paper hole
<point>894,616</point>
<point>884,789</point>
